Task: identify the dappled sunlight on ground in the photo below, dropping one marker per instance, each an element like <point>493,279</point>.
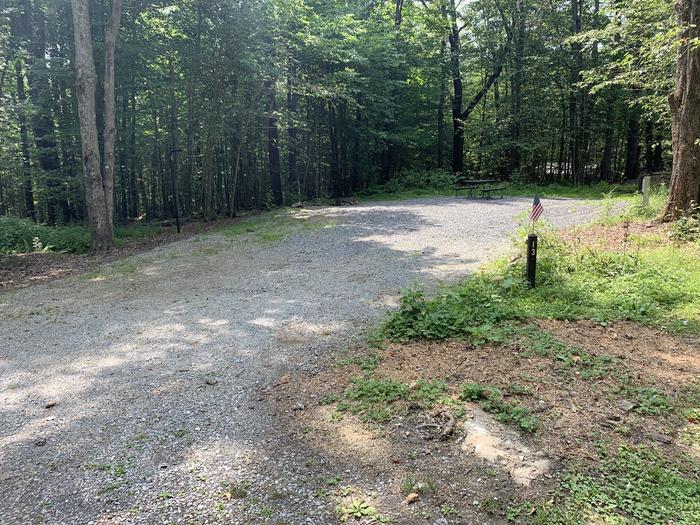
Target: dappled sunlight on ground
<point>158,364</point>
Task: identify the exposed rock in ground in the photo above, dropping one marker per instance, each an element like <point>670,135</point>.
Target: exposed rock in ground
<point>490,440</point>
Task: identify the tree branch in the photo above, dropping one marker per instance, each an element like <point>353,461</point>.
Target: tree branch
<point>489,82</point>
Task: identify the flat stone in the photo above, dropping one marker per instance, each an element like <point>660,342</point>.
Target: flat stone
<point>627,405</point>
<point>661,438</point>
<point>490,440</point>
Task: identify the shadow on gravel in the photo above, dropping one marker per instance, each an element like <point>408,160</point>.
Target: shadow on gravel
<point>157,373</point>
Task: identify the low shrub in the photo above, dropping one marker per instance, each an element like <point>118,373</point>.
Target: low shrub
<point>633,485</point>
<point>413,181</point>
<point>655,285</point>
<point>23,236</point>
<point>686,228</point>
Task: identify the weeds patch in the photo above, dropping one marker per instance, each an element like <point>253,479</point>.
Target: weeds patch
<point>24,236</point>
<point>491,400</point>
<point>634,485</point>
<point>659,286</point>
<point>273,227</point>
<point>569,358</point>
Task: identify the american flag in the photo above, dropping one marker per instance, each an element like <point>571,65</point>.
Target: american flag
<point>537,209</point>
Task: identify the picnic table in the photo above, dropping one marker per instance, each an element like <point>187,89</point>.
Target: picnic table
<point>485,185</point>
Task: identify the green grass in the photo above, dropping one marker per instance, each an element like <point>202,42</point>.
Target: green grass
<point>379,399</point>
<point>600,190</point>
<point>633,486</point>
<point>656,286</point>
<point>596,192</point>
<point>491,400</point>
<point>654,283</point>
<point>568,358</point>
<point>272,227</point>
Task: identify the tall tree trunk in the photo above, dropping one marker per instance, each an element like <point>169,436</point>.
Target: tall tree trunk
<point>273,146</point>
<point>632,155</point>
<point>606,162</point>
<point>398,12</point>
<point>192,119</point>
<point>27,186</point>
<point>208,195</point>
<point>99,215</point>
<point>172,134</point>
<point>460,114</point>
<point>133,181</point>
<point>123,206</point>
<point>441,105</point>
<point>457,94</point>
<point>518,82</point>
<point>684,190</point>
<point>292,107</point>
<point>110,128</point>
<point>41,119</point>
<point>335,175</point>
<point>575,107</point>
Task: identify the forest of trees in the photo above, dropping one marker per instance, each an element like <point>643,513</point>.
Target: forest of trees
<point>221,105</point>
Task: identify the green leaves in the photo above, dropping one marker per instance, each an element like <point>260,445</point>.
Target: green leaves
<point>654,286</point>
<point>633,485</point>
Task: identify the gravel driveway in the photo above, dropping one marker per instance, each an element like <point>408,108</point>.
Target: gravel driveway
<point>137,394</point>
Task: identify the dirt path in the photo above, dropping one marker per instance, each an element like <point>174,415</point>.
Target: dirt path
<point>158,365</point>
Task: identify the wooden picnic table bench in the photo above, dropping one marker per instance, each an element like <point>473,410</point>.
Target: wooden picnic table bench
<point>471,185</point>
<point>486,192</point>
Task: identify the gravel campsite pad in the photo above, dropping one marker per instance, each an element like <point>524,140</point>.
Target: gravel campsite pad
<point>139,393</point>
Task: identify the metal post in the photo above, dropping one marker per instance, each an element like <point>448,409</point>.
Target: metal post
<point>646,182</point>
<point>531,259</point>
<point>173,177</point>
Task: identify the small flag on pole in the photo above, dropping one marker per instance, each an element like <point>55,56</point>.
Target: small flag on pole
<point>537,209</point>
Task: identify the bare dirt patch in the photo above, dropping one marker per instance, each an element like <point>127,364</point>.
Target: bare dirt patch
<point>617,237</point>
<point>636,397</point>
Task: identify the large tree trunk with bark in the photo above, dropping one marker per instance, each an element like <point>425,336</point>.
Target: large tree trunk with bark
<point>518,83</point>
<point>684,191</point>
<point>110,129</point>
<point>460,114</point>
<point>41,119</point>
<point>99,215</point>
<point>27,186</point>
<point>273,146</point>
<point>292,107</point>
<point>457,93</point>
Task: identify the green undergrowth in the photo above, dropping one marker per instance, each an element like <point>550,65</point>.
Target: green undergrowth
<point>378,399</point>
<point>24,236</point>
<point>597,191</point>
<point>632,486</point>
<point>275,226</point>
<point>656,286</point>
<point>491,400</point>
<point>570,359</point>
<point>432,183</point>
